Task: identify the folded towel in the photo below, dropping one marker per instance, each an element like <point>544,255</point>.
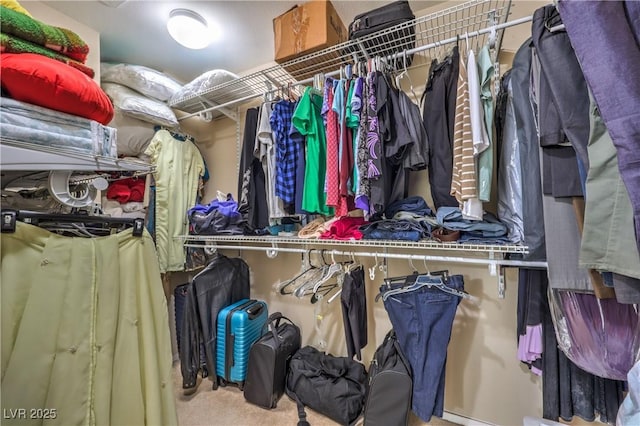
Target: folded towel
<point>61,40</point>
<point>12,44</point>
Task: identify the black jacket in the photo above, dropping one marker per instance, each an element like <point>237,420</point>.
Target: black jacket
<point>222,282</point>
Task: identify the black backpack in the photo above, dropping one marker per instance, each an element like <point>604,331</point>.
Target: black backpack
<point>390,386</point>
<point>332,386</point>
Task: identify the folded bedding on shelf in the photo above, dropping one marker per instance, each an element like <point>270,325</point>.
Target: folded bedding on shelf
<point>13,44</point>
<point>61,40</point>
<point>28,124</point>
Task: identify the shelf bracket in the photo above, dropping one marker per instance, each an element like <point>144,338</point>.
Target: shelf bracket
<point>273,252</point>
<point>496,270</point>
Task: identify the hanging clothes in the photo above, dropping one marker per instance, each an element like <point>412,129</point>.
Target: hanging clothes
<point>608,211</point>
<point>532,216</point>
<point>265,150</point>
<point>472,208</point>
<point>422,320</point>
<point>485,159</point>
<point>85,329</point>
<point>285,149</point>
<point>251,179</point>
<point>605,37</point>
<point>438,112</point>
<point>332,128</point>
<point>353,300</point>
<point>308,120</point>
<point>178,168</point>
<point>567,390</point>
<point>566,83</point>
<point>463,178</point>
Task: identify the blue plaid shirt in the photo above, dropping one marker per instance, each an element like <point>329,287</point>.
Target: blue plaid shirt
<point>286,154</point>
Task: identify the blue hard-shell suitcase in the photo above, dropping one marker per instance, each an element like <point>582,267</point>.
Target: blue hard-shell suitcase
<point>239,326</point>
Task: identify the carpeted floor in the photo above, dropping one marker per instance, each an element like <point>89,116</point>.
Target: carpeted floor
<point>227,407</point>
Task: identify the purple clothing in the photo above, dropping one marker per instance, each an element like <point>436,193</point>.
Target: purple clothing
<point>530,347</point>
<point>605,40</point>
<point>600,336</point>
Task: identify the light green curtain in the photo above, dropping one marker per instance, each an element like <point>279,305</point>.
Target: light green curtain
<point>84,330</point>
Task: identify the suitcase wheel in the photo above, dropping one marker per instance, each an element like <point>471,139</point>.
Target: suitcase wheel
<point>241,386</point>
<point>223,383</point>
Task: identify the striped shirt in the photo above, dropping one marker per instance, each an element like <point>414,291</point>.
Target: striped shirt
<point>463,179</point>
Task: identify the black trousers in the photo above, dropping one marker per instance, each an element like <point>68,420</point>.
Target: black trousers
<point>354,311</point>
<point>438,114</point>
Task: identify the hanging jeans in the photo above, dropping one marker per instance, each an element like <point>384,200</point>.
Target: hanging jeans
<point>422,320</point>
<point>604,36</point>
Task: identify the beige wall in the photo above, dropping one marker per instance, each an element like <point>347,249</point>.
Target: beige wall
<point>40,11</point>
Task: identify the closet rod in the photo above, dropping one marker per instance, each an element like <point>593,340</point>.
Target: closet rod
<point>272,251</point>
<point>497,27</point>
<point>390,57</point>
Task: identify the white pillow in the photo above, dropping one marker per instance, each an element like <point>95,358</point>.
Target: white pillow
<point>145,80</point>
<point>200,84</point>
<point>133,135</point>
<point>138,106</point>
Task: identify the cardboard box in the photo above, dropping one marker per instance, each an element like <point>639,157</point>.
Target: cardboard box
<point>307,28</point>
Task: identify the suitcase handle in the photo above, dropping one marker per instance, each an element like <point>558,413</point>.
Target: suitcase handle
<point>273,322</point>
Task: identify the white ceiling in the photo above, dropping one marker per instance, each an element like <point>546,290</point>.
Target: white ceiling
<point>135,32</point>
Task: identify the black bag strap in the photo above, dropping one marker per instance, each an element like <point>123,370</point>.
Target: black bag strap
<point>396,345</point>
<point>302,415</point>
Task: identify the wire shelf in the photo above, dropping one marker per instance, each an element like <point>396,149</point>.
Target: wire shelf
<point>421,36</point>
<point>387,244</point>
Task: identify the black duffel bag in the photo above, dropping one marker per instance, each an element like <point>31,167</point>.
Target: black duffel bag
<point>387,16</point>
<point>332,386</point>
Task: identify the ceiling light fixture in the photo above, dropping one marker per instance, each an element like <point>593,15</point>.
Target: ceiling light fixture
<point>189,29</point>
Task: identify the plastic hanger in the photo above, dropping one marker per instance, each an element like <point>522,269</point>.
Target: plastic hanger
<point>333,269</point>
<point>430,281</point>
<point>306,269</point>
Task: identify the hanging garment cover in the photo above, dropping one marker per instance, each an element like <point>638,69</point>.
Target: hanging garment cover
<point>600,336</point>
<point>605,37</point>
<point>567,390</point>
<point>510,173</point>
<point>179,166</point>
<point>85,329</point>
<point>532,217</point>
<point>223,282</point>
